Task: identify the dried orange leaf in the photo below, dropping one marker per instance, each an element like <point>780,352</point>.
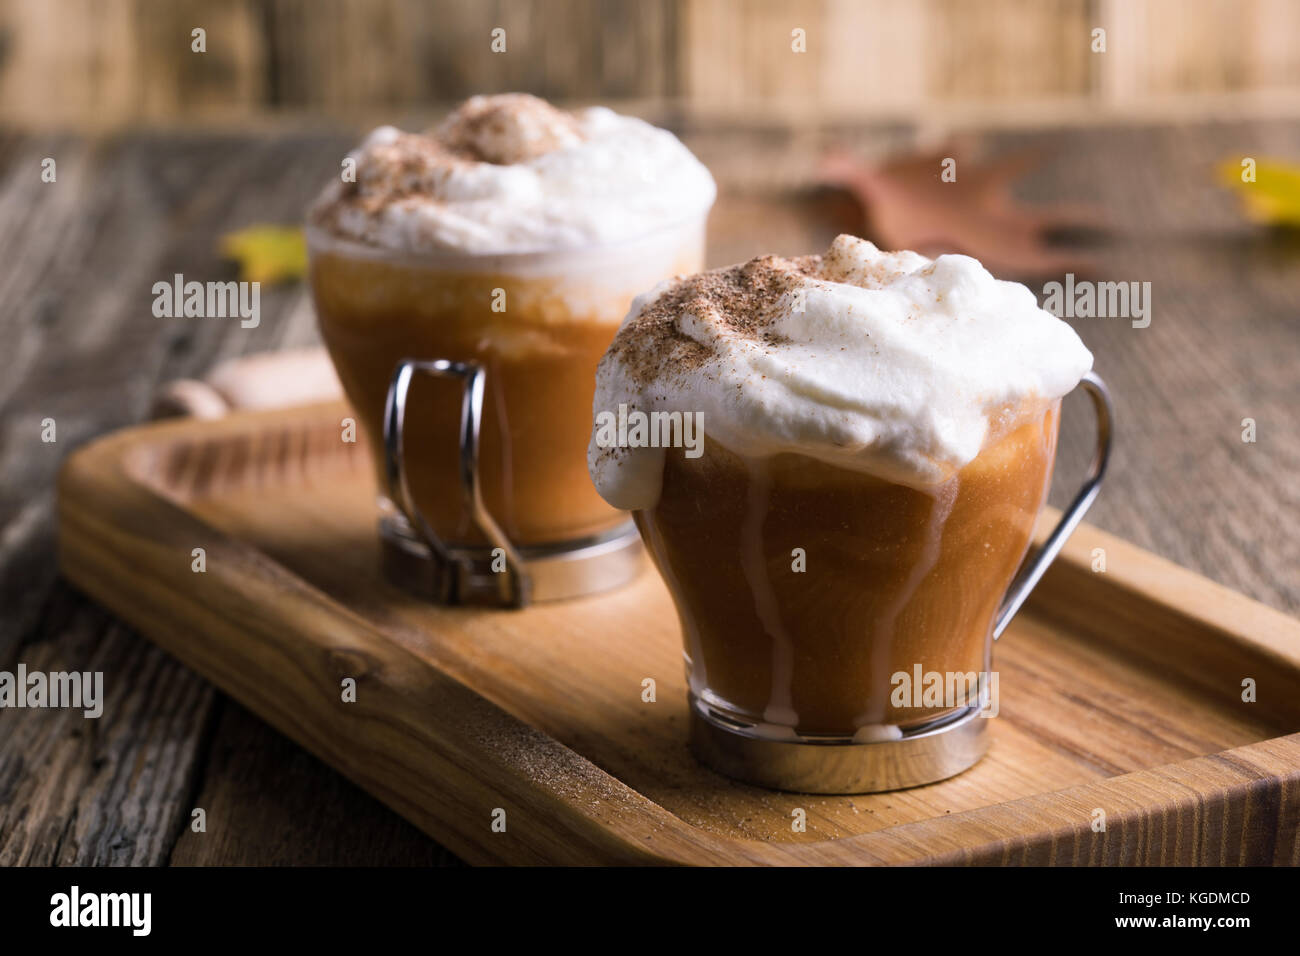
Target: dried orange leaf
<point>907,204</point>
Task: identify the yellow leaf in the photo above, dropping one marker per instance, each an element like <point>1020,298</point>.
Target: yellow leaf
<point>1274,196</point>
<point>267,254</point>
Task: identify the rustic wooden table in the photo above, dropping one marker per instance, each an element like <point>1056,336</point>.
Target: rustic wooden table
<point>78,258</point>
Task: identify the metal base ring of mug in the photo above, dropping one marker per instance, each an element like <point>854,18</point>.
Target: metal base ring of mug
<point>834,764</point>
<point>555,572</point>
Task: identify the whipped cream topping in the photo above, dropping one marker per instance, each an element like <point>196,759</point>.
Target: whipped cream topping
<point>883,362</point>
<point>511,173</point>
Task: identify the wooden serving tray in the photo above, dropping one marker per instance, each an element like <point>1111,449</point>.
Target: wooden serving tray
<point>1121,692</point>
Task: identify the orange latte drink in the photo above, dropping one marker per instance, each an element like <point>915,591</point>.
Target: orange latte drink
<point>514,237</point>
<point>874,439</point>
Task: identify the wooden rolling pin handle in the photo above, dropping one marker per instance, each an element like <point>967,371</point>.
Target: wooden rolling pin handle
<point>188,398</point>
<point>263,380</point>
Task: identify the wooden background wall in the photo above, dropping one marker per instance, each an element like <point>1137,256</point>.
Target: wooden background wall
<point>91,63</point>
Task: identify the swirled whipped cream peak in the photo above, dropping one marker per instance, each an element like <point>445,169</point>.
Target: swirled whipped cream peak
<point>883,362</point>
<point>511,173</point>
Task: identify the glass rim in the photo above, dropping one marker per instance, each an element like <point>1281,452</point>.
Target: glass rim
<point>319,240</point>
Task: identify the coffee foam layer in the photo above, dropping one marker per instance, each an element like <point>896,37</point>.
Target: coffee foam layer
<point>556,288</point>
<point>511,173</point>
<point>881,362</point>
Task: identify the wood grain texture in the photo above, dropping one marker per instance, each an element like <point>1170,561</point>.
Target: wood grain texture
<point>1121,691</point>
<point>110,791</point>
<point>269,803</point>
<point>101,63</point>
<point>110,63</point>
<point>81,346</point>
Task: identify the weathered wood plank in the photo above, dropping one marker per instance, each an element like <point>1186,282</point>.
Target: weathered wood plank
<point>270,803</point>
<point>108,791</point>
<point>112,63</point>
<point>83,348</point>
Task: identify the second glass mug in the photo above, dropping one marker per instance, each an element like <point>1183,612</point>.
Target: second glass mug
<point>792,675</point>
<point>473,378</point>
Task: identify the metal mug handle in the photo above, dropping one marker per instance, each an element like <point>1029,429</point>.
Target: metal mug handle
<point>512,585</point>
<point>1032,571</point>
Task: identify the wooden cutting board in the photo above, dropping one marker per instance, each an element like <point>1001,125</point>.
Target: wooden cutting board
<point>1121,691</point>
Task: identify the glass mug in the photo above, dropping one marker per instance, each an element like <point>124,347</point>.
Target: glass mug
<point>473,377</point>
<point>804,678</point>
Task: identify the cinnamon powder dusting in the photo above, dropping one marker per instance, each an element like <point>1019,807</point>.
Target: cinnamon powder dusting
<point>506,129</point>
<point>499,130</point>
<point>740,301</point>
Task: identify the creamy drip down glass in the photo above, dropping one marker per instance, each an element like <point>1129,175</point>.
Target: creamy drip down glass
<point>466,286</point>
<point>879,432</point>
